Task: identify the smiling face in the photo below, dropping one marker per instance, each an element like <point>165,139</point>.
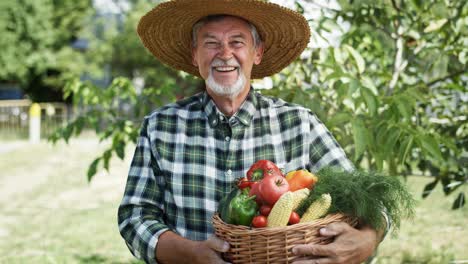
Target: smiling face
<point>225,54</point>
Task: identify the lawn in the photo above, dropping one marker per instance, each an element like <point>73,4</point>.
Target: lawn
<point>51,214</point>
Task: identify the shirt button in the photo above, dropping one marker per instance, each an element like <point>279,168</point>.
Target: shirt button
<point>227,138</point>
<point>214,122</point>
<point>229,172</point>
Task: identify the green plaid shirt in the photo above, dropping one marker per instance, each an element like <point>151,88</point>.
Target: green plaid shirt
<point>188,154</point>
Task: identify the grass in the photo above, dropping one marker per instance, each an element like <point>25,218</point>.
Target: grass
<point>51,214</point>
<point>435,235</point>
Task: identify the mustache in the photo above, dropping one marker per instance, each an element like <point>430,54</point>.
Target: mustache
<point>222,63</point>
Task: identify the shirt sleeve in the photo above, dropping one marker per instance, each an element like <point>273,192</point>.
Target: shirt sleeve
<point>140,214</point>
<point>324,149</point>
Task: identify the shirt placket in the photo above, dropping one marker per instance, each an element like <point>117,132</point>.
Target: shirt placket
<point>228,159</point>
<point>232,146</point>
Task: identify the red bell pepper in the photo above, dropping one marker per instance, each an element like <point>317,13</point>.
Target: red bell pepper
<point>262,169</point>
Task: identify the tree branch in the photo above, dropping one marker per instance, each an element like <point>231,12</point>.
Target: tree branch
<point>398,64</point>
<point>394,4</point>
<point>454,74</point>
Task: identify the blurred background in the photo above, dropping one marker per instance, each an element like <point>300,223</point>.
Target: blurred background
<point>389,78</point>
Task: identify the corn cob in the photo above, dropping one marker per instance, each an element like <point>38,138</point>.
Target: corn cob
<point>317,209</point>
<point>299,196</point>
<point>281,211</point>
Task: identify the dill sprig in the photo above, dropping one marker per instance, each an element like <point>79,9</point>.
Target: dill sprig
<point>364,195</point>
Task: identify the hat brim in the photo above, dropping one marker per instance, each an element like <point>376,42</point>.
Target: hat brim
<point>166,31</point>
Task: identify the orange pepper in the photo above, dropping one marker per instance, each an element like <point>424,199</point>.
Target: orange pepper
<point>300,179</point>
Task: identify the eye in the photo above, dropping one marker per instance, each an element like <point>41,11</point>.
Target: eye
<point>237,43</point>
<point>211,44</point>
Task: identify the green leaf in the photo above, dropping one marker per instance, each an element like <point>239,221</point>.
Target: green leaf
<point>404,107</point>
<point>106,157</point>
<point>79,124</point>
<point>431,146</point>
<point>405,148</point>
<point>299,7</point>
<point>389,142</point>
<point>379,161</point>
<point>371,101</point>
<point>353,87</point>
<point>360,136</point>
<point>463,57</point>
<point>429,188</point>
<point>336,75</point>
<point>459,201</point>
<point>435,25</point>
<point>120,150</point>
<point>453,186</point>
<point>369,84</point>
<point>338,56</point>
<point>92,169</point>
<point>446,181</point>
<point>339,119</point>
<point>67,132</point>
<point>360,63</point>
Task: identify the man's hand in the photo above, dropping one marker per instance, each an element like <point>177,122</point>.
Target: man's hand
<point>208,251</point>
<point>173,248</point>
<point>350,245</point>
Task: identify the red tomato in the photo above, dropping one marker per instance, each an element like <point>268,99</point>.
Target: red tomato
<point>259,221</point>
<point>265,210</point>
<point>272,188</point>
<point>254,190</point>
<point>294,218</point>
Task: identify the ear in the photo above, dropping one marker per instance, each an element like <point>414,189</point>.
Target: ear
<point>258,54</point>
<point>194,59</point>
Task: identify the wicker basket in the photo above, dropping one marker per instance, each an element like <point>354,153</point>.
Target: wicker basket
<point>271,244</point>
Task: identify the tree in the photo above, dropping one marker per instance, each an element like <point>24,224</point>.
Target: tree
<point>36,44</point>
<point>392,90</point>
<point>128,57</point>
<point>115,112</point>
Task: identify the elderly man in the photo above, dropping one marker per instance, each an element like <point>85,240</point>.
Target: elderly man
<point>189,152</point>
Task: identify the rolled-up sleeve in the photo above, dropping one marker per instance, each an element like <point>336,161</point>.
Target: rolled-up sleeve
<point>140,214</point>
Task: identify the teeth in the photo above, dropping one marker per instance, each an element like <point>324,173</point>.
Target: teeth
<point>225,68</point>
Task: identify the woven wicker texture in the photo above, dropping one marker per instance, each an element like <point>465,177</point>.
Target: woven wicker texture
<point>271,244</point>
<point>166,31</point>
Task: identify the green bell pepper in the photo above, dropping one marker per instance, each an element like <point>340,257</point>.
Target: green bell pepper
<point>238,208</point>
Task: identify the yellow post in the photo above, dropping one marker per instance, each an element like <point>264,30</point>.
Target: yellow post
<point>35,123</point>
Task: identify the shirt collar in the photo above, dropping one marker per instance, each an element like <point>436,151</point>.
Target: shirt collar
<point>244,115</point>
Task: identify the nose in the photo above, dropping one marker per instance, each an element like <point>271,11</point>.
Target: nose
<point>225,52</point>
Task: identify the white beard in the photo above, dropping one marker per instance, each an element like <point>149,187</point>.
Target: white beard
<point>230,91</point>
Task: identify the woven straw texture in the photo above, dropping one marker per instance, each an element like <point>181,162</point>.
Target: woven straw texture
<point>271,244</point>
<point>166,31</point>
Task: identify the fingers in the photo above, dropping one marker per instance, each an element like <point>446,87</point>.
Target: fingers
<point>313,250</point>
<point>217,244</point>
<point>334,229</point>
<point>313,261</point>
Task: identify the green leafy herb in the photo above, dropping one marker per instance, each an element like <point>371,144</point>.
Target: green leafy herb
<point>363,195</point>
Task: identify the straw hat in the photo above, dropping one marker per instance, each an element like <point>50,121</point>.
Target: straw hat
<point>166,31</point>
